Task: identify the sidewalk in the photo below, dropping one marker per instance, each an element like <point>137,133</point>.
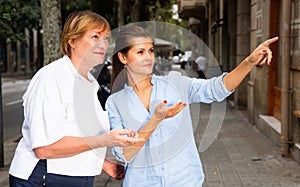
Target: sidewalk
<point>240,156</point>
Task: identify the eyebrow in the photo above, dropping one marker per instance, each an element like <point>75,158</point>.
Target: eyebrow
<point>99,32</point>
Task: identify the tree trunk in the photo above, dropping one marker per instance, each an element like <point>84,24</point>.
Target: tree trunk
<point>51,23</point>
<point>120,12</point>
<point>135,11</point>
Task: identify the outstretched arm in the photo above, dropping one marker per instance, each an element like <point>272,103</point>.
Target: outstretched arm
<point>70,145</point>
<point>160,113</point>
<point>260,55</point>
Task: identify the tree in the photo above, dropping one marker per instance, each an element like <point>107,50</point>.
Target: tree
<point>108,9</point>
<point>69,6</point>
<point>52,28</point>
<point>148,10</point>
<point>15,16</point>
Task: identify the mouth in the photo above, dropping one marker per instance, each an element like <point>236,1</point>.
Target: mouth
<point>100,53</point>
<point>148,65</point>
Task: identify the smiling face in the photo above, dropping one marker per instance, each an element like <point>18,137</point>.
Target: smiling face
<point>84,40</point>
<point>139,60</point>
<point>89,50</point>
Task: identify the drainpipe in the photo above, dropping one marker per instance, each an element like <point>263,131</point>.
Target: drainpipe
<point>285,76</point>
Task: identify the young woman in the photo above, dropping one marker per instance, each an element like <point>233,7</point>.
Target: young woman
<point>65,130</point>
<point>169,156</point>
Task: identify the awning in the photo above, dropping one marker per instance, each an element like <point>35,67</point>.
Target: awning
<point>164,45</point>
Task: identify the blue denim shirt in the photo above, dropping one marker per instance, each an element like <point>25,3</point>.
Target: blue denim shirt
<point>170,156</point>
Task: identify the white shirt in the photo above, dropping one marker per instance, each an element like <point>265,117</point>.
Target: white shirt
<point>59,102</point>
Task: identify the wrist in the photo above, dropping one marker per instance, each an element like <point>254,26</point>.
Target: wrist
<point>157,119</point>
<point>248,61</point>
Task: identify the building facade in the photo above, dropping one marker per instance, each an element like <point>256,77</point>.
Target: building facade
<point>21,58</point>
<point>270,95</point>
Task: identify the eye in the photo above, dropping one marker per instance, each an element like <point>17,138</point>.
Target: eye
<point>151,50</point>
<point>95,36</point>
<point>140,52</point>
<point>106,37</point>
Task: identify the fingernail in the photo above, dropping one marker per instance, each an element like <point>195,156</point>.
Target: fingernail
<point>264,50</point>
<point>180,102</point>
<point>184,104</point>
<point>165,101</point>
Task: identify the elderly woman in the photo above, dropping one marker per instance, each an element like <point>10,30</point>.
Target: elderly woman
<point>65,130</point>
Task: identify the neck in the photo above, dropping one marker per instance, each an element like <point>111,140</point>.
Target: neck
<point>141,83</point>
<point>138,80</point>
<point>79,66</point>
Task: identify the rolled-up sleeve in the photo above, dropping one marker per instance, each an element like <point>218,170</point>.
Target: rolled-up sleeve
<point>208,90</point>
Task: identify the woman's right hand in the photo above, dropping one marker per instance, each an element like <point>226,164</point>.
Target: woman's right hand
<point>122,137</point>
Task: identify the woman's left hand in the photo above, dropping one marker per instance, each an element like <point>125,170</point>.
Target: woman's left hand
<point>162,112</point>
<point>113,168</point>
<point>262,53</point>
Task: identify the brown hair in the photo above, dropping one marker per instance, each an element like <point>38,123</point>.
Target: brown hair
<point>77,24</point>
<point>123,43</point>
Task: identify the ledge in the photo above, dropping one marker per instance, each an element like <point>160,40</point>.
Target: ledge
<point>270,127</point>
<point>272,122</point>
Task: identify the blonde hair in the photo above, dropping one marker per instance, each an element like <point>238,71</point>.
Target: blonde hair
<point>77,24</point>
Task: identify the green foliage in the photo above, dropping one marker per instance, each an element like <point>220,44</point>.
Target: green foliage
<point>15,16</point>
<point>69,6</point>
<point>107,9</point>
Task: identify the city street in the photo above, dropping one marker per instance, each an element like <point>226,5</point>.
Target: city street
<point>248,50</point>
<point>239,156</point>
<point>12,92</point>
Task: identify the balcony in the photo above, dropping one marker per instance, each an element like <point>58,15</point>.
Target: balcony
<point>192,8</point>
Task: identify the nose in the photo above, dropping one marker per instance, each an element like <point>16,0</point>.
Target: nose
<point>149,55</point>
<point>103,42</point>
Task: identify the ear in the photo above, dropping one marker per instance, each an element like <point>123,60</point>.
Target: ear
<point>122,58</point>
<point>71,43</point>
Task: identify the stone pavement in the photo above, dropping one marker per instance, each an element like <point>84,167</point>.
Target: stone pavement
<point>239,156</point>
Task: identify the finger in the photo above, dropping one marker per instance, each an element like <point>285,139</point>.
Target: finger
<point>133,134</point>
<point>125,131</point>
<point>269,57</point>
<point>179,104</point>
<point>269,41</point>
<point>175,109</point>
<point>136,140</point>
<point>263,61</point>
<point>132,140</point>
<point>162,104</point>
<point>126,141</point>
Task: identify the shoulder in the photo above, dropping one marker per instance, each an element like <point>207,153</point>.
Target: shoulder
<point>46,77</point>
<point>117,96</point>
<point>173,77</point>
<point>115,100</point>
<point>170,75</point>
